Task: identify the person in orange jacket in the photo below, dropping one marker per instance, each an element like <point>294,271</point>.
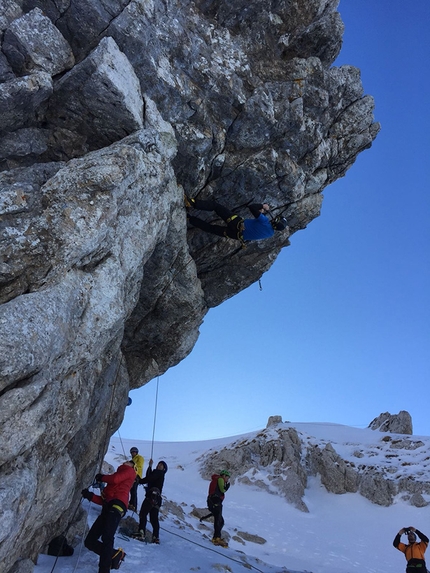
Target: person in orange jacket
<point>414,551</point>
<point>114,501</point>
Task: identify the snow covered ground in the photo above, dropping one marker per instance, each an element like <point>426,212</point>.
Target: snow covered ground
<point>340,534</point>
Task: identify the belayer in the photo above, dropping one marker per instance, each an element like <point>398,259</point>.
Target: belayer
<point>243,230</point>
<point>414,551</point>
<point>139,462</point>
<point>154,480</point>
<point>220,483</point>
<point>114,501</point>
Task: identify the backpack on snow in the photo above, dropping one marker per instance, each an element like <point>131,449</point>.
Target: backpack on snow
<point>59,547</point>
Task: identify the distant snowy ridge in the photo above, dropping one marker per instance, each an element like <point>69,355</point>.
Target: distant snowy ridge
<point>281,458</point>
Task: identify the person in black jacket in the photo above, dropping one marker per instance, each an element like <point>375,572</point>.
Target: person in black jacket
<point>154,481</point>
<point>414,552</point>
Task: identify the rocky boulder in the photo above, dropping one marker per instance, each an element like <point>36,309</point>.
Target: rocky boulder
<point>400,423</point>
<point>336,475</point>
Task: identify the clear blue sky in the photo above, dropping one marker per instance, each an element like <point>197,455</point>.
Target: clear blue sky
<point>341,330</point>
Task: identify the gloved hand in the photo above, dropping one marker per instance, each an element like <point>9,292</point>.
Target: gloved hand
<point>99,477</point>
<point>87,494</point>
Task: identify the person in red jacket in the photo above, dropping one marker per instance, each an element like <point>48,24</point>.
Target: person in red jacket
<point>217,488</point>
<point>414,552</point>
<point>114,501</point>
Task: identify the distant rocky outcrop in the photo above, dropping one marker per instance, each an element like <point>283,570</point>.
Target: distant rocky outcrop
<point>280,460</point>
<point>109,111</point>
<point>400,423</point>
<point>273,420</point>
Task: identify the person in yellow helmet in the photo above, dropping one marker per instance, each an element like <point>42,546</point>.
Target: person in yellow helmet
<point>139,462</point>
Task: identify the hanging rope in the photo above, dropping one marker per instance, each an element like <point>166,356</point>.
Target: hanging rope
<point>81,545</point>
<point>122,445</point>
<point>246,565</point>
<point>155,418</point>
<point>101,463</point>
<point>107,437</point>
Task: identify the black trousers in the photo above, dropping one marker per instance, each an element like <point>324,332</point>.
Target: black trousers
<point>419,566</point>
<point>153,511</point>
<point>215,507</point>
<point>105,526</point>
<point>234,222</point>
<point>133,493</point>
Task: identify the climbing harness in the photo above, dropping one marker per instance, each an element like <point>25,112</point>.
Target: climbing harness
<point>237,223</point>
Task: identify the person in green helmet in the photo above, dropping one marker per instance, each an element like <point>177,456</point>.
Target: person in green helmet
<point>217,488</point>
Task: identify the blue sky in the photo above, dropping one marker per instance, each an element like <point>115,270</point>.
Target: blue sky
<point>340,331</point>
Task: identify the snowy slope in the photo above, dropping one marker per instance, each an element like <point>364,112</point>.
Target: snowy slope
<point>340,534</point>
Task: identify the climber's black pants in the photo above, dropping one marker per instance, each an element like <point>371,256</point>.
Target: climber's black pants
<point>105,527</point>
<point>215,507</point>
<point>234,222</point>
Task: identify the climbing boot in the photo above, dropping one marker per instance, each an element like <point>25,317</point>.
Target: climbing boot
<point>220,542</point>
<point>118,558</point>
<point>156,540</point>
<point>139,535</point>
<point>189,202</point>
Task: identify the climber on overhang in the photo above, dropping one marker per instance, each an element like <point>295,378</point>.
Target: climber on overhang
<point>243,230</point>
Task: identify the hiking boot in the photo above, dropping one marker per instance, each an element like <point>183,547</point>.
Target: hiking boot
<point>156,540</point>
<point>189,203</point>
<point>220,542</point>
<point>140,535</point>
<point>118,558</point>
<point>131,507</point>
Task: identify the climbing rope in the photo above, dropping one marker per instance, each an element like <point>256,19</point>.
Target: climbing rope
<point>107,437</point>
<point>155,418</point>
<point>80,545</point>
<point>247,565</point>
<point>122,445</point>
<point>64,540</point>
<point>101,463</point>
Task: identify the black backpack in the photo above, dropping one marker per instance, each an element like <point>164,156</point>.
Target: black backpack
<point>58,547</point>
<point>154,497</point>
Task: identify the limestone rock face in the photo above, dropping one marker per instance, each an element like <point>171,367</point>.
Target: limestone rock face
<point>335,473</point>
<point>400,423</point>
<point>279,449</point>
<point>273,420</point>
<point>110,111</point>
